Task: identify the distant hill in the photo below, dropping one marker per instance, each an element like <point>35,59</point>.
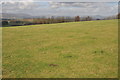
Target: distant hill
<point>98,17</point>
<point>23,15</point>
<point>15,16</point>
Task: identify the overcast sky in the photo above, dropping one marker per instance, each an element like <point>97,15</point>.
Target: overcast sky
<point>63,8</point>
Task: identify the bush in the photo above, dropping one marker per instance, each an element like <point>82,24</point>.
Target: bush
<point>5,23</point>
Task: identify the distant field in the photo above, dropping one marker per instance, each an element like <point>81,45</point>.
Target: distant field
<point>64,50</point>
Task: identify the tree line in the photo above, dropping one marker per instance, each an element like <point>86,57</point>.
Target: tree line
<point>50,20</point>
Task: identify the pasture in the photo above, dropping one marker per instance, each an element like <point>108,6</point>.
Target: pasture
<point>86,49</point>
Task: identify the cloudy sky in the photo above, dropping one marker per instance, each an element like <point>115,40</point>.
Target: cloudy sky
<point>53,8</point>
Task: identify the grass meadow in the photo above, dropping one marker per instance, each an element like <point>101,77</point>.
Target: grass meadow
<point>86,49</point>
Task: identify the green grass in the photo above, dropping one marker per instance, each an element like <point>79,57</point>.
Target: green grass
<point>65,50</point>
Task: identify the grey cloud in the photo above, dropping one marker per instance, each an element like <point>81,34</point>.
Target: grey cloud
<point>61,8</point>
<point>76,4</point>
<point>18,6</point>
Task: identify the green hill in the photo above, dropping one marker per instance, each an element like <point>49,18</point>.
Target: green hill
<point>65,50</point>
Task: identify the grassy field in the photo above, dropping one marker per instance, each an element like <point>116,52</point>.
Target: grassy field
<point>65,50</point>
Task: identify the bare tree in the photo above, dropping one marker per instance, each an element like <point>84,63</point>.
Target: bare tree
<point>77,18</point>
<point>88,18</point>
<point>119,16</point>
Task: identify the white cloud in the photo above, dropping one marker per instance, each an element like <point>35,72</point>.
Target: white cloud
<point>17,3</point>
<point>85,8</point>
<point>59,8</point>
<point>77,4</point>
<point>11,5</point>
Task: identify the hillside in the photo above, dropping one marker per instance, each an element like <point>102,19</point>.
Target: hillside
<point>65,50</point>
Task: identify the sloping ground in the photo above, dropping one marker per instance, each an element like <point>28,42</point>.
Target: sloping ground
<point>67,50</point>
